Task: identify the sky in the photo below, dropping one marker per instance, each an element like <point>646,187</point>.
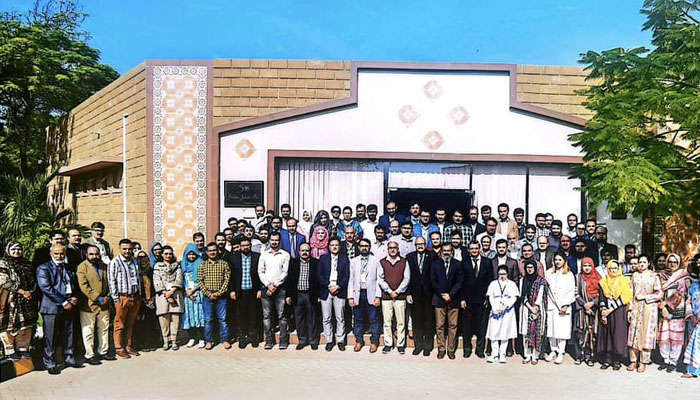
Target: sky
<point>542,32</point>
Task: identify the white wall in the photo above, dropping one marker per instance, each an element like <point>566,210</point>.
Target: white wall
<point>620,231</point>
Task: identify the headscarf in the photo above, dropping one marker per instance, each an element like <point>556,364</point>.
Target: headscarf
<point>11,245</point>
<point>305,227</point>
<point>318,247</point>
<point>152,257</point>
<point>317,221</point>
<point>676,275</point>
<point>188,266</point>
<point>616,286</point>
<point>592,279</point>
<point>529,279</point>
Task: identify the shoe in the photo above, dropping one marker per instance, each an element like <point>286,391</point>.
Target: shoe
<point>416,351</point>
<point>590,363</point>
<point>386,350</point>
<point>201,344</point>
<point>616,366</point>
<point>632,367</point>
<point>373,348</point>
<point>93,361</point>
<point>402,350</point>
<point>604,366</point>
<point>227,345</point>
<point>242,344</point>
<point>283,346</point>
<point>467,353</point>
<point>550,357</point>
<point>341,346</point>
<point>314,347</point>
<point>534,361</point>
<point>191,343</point>
<point>208,346</point>
<point>54,371</point>
<point>24,354</point>
<point>301,346</point>
<point>670,368</point>
<point>14,357</point>
<point>509,353</point>
<point>121,353</point>
<point>578,361</point>
<point>490,359</point>
<point>642,368</point>
<point>108,357</point>
<point>132,352</point>
<point>75,365</point>
<point>441,354</point>
<point>329,346</point>
<point>269,346</point>
<point>358,347</point>
<point>175,347</point>
<point>502,359</point>
<point>426,353</point>
<point>166,347</point>
<point>687,375</point>
<point>559,359</point>
<point>480,354</point>
<point>662,366</point>
<point>451,356</point>
<point>255,344</point>
<point>525,361</point>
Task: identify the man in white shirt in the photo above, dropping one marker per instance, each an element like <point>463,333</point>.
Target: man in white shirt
<point>379,243</point>
<point>273,268</point>
<point>260,219</point>
<point>369,223</point>
<point>491,225</point>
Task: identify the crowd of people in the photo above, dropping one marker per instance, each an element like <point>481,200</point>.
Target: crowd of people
<point>542,291</point>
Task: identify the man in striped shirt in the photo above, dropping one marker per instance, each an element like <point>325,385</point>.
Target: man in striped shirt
<point>213,279</point>
<point>125,288</point>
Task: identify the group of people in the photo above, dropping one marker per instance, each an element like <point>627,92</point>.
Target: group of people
<point>541,290</point>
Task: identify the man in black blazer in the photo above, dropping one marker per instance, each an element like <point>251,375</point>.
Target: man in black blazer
<point>503,259</point>
<point>302,293</point>
<point>420,297</point>
<point>348,247</point>
<point>543,254</point>
<point>391,214</point>
<point>245,291</point>
<point>478,274</point>
<point>446,279</point>
<point>601,240</point>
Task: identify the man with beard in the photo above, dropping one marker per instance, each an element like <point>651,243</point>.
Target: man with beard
<point>199,241</point>
<point>349,221</point>
<point>502,258</point>
<point>540,224</point>
<point>391,216</point>
<point>43,254</point>
<point>529,253</point>
<point>421,297</point>
<point>364,296</point>
<point>379,243</point>
<point>458,252</point>
<point>601,240</point>
<point>74,252</point>
<point>394,229</point>
<point>478,274</point>
<point>519,216</point>
<point>565,245</point>
<point>466,233</point>
<point>285,214</point>
<point>273,270</point>
<point>485,213</point>
<point>245,292</point>
<point>543,254</point>
<point>302,294</point>
<point>348,245</point>
<point>580,251</point>
<point>414,213</point>
<point>368,224</point>
<point>260,219</point>
<point>228,239</point>
<point>513,246</point>
<point>474,224</point>
<point>94,305</point>
<point>261,243</point>
<point>491,226</point>
<point>97,233</point>
<point>555,236</point>
<point>440,219</point>
<point>360,212</point>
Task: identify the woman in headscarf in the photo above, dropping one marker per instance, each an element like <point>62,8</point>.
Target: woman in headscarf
<point>502,294</point>
<point>614,297</point>
<point>155,254</point>
<point>673,312</point>
<point>19,302</point>
<point>322,219</point>
<point>692,351</point>
<point>304,226</point>
<point>644,315</point>
<point>586,313</point>
<point>193,317</point>
<point>146,328</point>
<point>319,242</point>
<point>533,322</point>
<point>167,281</point>
<point>562,293</point>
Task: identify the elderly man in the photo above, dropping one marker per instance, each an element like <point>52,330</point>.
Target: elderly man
<point>302,294</point>
<point>364,295</point>
<point>94,305</point>
<point>125,285</point>
<point>59,288</point>
<point>349,246</point>
<point>393,277</point>
<point>491,225</point>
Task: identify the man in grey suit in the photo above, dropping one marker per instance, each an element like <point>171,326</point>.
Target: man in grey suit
<point>364,295</point>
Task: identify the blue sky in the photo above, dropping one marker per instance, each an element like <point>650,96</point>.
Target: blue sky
<point>548,32</point>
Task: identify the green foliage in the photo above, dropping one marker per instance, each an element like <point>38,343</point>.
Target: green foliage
<point>46,69</point>
<point>642,147</point>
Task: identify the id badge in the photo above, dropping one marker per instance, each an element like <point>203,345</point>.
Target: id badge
<point>133,280</point>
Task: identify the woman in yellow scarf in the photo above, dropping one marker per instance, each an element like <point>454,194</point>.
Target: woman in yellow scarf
<point>615,295</point>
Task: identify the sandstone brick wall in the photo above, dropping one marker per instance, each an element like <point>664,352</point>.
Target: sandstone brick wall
<point>553,88</point>
<point>94,129</point>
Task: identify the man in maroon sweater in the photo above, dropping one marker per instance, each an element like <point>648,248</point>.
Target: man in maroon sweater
<point>393,278</point>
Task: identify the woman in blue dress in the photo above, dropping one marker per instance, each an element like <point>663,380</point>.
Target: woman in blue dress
<point>193,317</point>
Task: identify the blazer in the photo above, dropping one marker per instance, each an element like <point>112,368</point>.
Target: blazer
<point>513,269</point>
<point>286,243</point>
<point>74,257</point>
<point>92,286</point>
<point>373,289</point>
<point>441,282</point>
<point>237,272</point>
<point>549,258</point>
<point>384,220</point>
<point>480,228</point>
<point>344,248</point>
<point>420,285</point>
<point>475,287</point>
<point>53,287</point>
<point>324,276</point>
<point>293,278</point>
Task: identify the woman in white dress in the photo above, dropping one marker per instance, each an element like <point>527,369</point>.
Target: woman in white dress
<point>562,293</point>
<point>305,224</point>
<point>502,294</point>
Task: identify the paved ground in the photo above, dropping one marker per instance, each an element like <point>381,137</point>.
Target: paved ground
<point>290,374</point>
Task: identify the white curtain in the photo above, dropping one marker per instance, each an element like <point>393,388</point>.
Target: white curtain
<point>428,176</point>
<point>319,185</point>
<point>499,183</point>
<point>552,191</point>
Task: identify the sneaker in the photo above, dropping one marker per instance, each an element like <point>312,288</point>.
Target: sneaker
<point>191,343</point>
<point>14,357</point>
<point>402,350</point>
<point>25,354</point>
<point>386,350</point>
<point>502,359</point>
<point>201,344</point>
<point>560,359</point>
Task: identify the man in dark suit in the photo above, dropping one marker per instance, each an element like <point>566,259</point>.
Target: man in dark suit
<point>601,240</point>
<point>503,259</point>
<point>348,247</point>
<point>333,279</point>
<point>478,274</point>
<point>74,250</point>
<point>59,287</point>
<point>421,297</point>
<point>446,279</point>
<point>391,214</point>
<point>302,293</point>
<point>43,254</point>
<point>543,254</point>
<point>473,221</point>
<point>291,243</point>
<point>245,292</point>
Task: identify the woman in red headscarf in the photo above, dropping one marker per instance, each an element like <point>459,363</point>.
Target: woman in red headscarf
<point>586,309</point>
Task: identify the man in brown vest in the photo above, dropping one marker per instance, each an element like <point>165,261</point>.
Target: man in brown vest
<point>393,278</point>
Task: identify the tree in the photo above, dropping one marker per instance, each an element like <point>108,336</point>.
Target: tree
<point>642,149</point>
<point>46,69</point>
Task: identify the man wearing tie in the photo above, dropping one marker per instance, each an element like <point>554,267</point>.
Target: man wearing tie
<point>477,277</point>
<point>364,295</point>
<point>291,242</point>
<point>446,278</point>
<point>59,288</point>
<point>421,297</point>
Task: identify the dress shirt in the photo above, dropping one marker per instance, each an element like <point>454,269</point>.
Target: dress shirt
<point>466,231</point>
<point>303,283</point>
<point>405,245</point>
<point>333,278</point>
<point>368,229</point>
<point>213,277</point>
<point>246,278</point>
<point>273,267</point>
<point>124,278</point>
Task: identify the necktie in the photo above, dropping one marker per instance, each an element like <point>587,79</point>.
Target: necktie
<point>476,266</point>
<point>420,263</point>
<point>364,265</point>
<point>294,247</point>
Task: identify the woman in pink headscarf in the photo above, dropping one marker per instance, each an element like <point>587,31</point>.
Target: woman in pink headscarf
<point>319,242</point>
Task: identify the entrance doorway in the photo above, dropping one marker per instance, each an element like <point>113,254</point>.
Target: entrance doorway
<point>431,199</point>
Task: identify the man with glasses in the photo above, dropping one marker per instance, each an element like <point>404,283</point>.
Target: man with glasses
<point>601,239</point>
<point>393,277</point>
